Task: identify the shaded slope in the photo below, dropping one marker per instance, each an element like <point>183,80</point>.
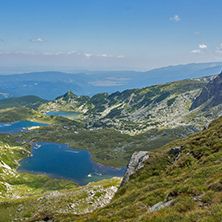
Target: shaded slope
<point>212,92</point>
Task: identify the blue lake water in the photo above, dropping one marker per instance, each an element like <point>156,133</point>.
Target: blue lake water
<point>60,161</point>
<point>63,113</point>
<point>18,126</point>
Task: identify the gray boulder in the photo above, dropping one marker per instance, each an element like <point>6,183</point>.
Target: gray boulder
<point>136,162</point>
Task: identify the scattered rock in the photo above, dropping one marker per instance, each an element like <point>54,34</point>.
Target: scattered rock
<point>159,206</point>
<point>20,209</point>
<point>73,206</point>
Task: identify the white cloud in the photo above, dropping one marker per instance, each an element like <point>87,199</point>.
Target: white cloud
<point>175,18</point>
<point>38,40</point>
<point>103,55</point>
<point>196,33</point>
<point>120,56</point>
<point>201,49</point>
<point>88,55</point>
<point>110,56</point>
<point>203,46</point>
<point>70,53</point>
<point>53,53</point>
<point>196,51</point>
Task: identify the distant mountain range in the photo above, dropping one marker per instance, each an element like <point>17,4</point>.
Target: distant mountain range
<point>49,85</point>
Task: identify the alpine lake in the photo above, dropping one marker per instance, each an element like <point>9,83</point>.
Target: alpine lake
<point>67,114</point>
<point>58,160</point>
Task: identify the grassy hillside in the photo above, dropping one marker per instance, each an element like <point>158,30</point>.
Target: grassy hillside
<point>32,102</point>
<point>189,181</point>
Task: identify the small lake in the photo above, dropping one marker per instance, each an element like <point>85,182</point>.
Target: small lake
<point>69,114</point>
<point>60,161</point>
<point>19,126</point>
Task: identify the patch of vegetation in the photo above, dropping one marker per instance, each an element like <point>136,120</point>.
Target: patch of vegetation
<point>171,101</point>
<point>162,97</point>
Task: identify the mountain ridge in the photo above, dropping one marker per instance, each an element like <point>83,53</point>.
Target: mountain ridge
<point>135,110</point>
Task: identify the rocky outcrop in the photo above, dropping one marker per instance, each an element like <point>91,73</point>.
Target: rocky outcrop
<point>136,162</point>
<point>212,92</point>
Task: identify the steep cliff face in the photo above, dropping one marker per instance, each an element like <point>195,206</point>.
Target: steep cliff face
<point>212,92</point>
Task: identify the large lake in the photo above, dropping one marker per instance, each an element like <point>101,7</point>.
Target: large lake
<point>63,113</point>
<point>18,126</point>
<point>60,161</point>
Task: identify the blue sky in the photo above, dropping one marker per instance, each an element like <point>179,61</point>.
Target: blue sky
<point>109,34</point>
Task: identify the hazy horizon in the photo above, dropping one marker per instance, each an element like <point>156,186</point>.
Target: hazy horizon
<point>73,70</point>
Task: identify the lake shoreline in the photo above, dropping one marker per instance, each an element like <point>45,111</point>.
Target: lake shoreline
<point>66,163</point>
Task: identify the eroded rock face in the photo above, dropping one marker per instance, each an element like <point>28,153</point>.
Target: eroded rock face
<point>136,162</point>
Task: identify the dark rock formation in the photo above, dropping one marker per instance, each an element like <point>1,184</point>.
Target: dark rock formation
<point>212,92</point>
<point>175,153</point>
<point>136,162</point>
<point>175,150</point>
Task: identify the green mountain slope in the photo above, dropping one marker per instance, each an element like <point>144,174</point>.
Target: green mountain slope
<point>186,185</point>
<point>32,102</point>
